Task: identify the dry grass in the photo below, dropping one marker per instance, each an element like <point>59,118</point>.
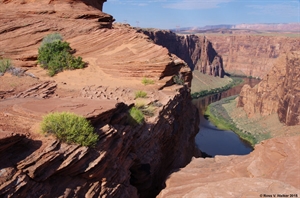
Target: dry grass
<point>202,82</point>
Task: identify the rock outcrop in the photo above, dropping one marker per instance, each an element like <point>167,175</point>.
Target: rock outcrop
<point>278,92</point>
<point>289,103</point>
<point>272,168</point>
<point>196,51</point>
<point>251,55</point>
<point>129,160</point>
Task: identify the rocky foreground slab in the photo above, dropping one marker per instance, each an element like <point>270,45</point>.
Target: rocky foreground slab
<point>272,168</point>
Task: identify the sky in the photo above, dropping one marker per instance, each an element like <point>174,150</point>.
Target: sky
<point>169,14</point>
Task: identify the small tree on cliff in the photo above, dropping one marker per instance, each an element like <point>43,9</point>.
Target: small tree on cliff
<point>56,55</point>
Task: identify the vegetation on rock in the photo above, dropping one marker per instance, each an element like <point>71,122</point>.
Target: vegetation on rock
<point>139,111</point>
<point>140,94</point>
<point>147,81</point>
<point>136,115</point>
<point>70,128</point>
<point>5,64</point>
<point>147,110</point>
<point>178,79</point>
<point>56,55</point>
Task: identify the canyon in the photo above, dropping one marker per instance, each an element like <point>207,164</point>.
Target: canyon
<point>240,54</point>
<point>196,51</point>
<point>251,54</point>
<point>136,161</point>
<point>273,167</point>
<point>128,161</point>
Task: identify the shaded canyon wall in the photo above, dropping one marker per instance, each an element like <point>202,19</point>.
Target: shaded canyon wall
<point>196,51</point>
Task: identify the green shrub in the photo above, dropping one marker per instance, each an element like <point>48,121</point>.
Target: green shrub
<point>136,116</point>
<point>51,38</point>
<point>70,128</point>
<point>147,81</point>
<point>178,79</point>
<point>147,110</point>
<point>5,64</point>
<point>140,94</point>
<point>55,55</point>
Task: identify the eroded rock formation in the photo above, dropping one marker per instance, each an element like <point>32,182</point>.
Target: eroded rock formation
<point>128,161</point>
<point>251,55</point>
<point>289,103</point>
<point>272,168</point>
<point>278,91</point>
<point>196,51</point>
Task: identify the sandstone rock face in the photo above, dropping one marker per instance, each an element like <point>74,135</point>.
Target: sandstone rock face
<point>128,161</point>
<point>119,51</point>
<point>277,92</point>
<point>251,55</point>
<point>272,168</point>
<point>289,103</point>
<point>196,51</point>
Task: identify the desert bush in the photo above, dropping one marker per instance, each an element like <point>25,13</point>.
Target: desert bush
<point>140,94</point>
<point>147,110</point>
<point>51,38</point>
<point>70,128</point>
<point>5,64</point>
<point>55,55</point>
<point>147,81</point>
<point>178,79</point>
<point>136,116</point>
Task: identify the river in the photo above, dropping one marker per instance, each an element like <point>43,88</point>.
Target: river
<point>214,141</point>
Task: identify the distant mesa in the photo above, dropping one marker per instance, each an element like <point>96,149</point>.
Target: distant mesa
<point>281,27</point>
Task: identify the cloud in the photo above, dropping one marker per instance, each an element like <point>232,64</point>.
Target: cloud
<point>196,4</point>
<point>288,8</point>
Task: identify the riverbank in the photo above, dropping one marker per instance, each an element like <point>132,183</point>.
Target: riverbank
<point>219,116</point>
<point>225,115</point>
<point>204,85</point>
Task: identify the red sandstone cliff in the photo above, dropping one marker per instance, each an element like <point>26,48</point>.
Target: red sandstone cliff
<point>278,91</point>
<point>127,161</point>
<point>196,51</point>
<point>251,55</point>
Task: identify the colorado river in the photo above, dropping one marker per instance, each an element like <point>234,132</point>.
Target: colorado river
<point>214,141</point>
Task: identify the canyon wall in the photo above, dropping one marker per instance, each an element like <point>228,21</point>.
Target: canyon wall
<point>272,169</point>
<point>251,55</point>
<point>196,51</point>
<point>278,92</point>
<point>129,160</point>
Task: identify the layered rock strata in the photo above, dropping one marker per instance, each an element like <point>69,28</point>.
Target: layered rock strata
<point>271,169</point>
<point>129,160</point>
<point>289,104</point>
<point>196,51</point>
<point>278,92</point>
<point>251,55</point>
